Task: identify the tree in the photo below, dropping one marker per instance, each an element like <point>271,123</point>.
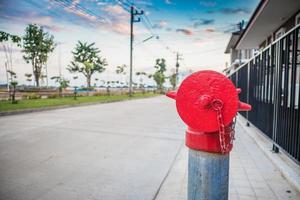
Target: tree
<point>121,71</point>
<point>13,84</point>
<point>8,41</point>
<point>141,75</point>
<point>37,45</point>
<point>86,60</point>
<point>107,88</point>
<point>75,88</point>
<point>13,96</point>
<point>63,83</point>
<point>159,76</point>
<point>43,77</point>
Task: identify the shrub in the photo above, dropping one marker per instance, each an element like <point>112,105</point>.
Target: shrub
<point>98,94</point>
<point>80,95</point>
<point>25,96</point>
<point>53,96</point>
<point>33,96</point>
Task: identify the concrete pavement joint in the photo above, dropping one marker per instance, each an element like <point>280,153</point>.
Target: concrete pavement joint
<point>168,172</point>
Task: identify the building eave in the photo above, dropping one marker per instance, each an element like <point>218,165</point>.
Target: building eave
<point>232,41</point>
<point>266,19</point>
<point>258,9</point>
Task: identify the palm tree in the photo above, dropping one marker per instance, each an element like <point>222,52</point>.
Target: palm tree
<point>121,71</point>
<point>86,60</point>
<point>63,83</point>
<point>141,75</point>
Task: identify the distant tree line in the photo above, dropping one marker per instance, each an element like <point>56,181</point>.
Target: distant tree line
<point>37,45</point>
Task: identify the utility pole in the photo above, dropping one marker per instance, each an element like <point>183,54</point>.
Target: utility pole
<point>59,60</point>
<point>178,57</point>
<point>133,12</point>
<point>6,71</point>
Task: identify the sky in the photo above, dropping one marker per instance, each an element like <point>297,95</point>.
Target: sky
<point>198,29</point>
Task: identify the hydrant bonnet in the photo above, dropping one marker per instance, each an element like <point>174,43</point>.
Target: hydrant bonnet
<point>197,95</point>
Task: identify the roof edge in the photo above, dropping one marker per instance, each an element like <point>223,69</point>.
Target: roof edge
<point>260,6</point>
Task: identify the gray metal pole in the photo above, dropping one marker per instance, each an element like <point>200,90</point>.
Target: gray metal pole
<point>208,176</point>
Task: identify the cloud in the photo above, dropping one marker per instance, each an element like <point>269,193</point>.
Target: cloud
<point>208,3</point>
<point>121,28</point>
<point>235,11</point>
<point>184,31</point>
<point>203,22</point>
<point>34,18</point>
<point>168,2</point>
<point>101,3</point>
<point>209,30</point>
<point>115,10</point>
<point>83,15</point>
<point>146,4</point>
<point>119,18</point>
<point>160,25</point>
<point>231,11</point>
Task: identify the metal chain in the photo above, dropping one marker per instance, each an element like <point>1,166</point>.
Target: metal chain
<point>217,105</point>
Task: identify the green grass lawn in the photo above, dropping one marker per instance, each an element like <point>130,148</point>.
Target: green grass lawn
<point>42,103</point>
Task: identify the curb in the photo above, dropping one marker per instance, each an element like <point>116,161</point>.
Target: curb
<point>26,111</point>
<point>288,168</point>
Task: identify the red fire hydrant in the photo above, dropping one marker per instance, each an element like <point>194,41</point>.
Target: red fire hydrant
<point>207,101</point>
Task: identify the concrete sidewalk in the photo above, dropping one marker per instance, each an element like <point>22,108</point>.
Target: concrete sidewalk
<point>252,175</point>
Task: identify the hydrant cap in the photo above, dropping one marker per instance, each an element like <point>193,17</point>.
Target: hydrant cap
<point>196,95</point>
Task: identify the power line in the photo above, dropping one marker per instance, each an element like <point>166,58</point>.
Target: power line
<point>67,4</point>
<point>146,22</point>
<point>84,10</point>
<point>39,6</point>
<point>149,26</point>
<point>98,19</point>
<point>125,3</point>
<point>204,51</point>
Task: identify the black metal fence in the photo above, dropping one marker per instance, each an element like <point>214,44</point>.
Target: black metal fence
<point>270,83</point>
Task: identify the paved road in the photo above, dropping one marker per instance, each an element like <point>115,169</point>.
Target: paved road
<point>120,150</point>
